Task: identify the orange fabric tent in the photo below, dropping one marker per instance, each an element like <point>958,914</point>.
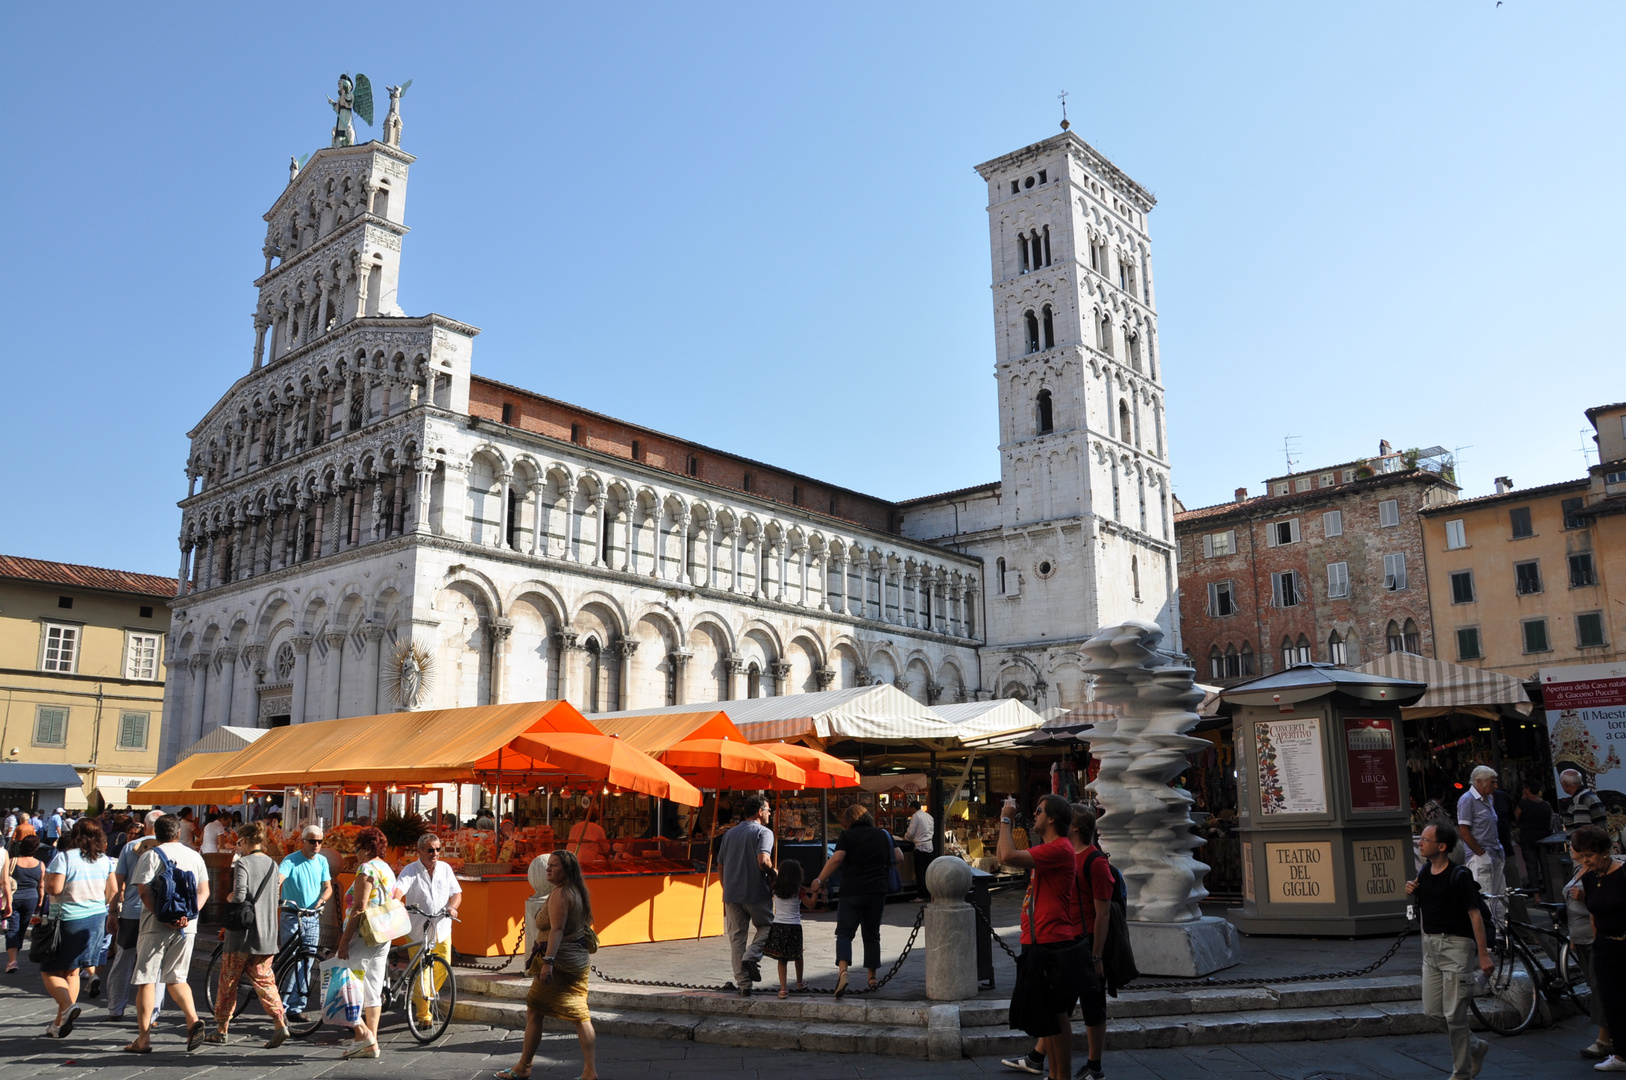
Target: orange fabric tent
<point>823,770</point>
<point>406,747</point>
<point>724,763</point>
<point>178,784</point>
<point>606,759</point>
<point>657,733</point>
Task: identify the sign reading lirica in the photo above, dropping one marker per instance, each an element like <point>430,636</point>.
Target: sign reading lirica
<point>1586,721</point>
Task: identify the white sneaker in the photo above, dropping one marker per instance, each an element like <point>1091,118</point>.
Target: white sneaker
<point>1611,1064</point>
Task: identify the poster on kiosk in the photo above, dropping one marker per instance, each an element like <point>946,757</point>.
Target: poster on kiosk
<point>1586,727</point>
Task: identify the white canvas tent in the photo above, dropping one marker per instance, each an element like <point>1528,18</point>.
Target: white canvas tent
<point>991,724</point>
<point>872,713</point>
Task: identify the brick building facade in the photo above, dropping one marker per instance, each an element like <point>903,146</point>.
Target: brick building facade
<point>1326,566</point>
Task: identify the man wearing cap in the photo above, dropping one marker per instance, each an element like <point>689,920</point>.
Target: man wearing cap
<point>53,827</point>
<point>307,884</point>
<point>125,912</point>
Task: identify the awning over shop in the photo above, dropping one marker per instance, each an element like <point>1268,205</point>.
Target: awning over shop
<point>113,796</point>
<point>223,739</point>
<point>990,724</point>
<point>1069,728</point>
<point>22,774</point>
<point>178,785</point>
<point>429,747</point>
<point>1453,688</point>
<point>655,733</point>
<point>872,713</point>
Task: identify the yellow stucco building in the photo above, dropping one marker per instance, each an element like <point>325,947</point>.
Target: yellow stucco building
<point>1527,579</point>
<point>81,681</point>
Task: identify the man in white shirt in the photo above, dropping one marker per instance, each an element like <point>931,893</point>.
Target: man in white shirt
<point>188,827</point>
<point>430,885</point>
<point>164,950</point>
<point>920,831</point>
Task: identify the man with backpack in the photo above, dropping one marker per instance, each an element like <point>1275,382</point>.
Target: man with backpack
<point>1099,888</point>
<point>174,885</point>
<point>1453,925</point>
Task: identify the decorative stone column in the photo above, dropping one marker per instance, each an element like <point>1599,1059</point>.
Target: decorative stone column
<point>601,541</point>
<point>333,673</point>
<point>302,666</point>
<point>505,484</point>
<point>1146,823</point>
<point>911,587</point>
<point>227,655</point>
<point>500,631</point>
<point>780,672</point>
<point>565,641</point>
<point>194,708</point>
<point>371,663</point>
<point>254,661</point>
<point>824,676</point>
<point>622,651</point>
<point>733,668</point>
<point>679,659</point>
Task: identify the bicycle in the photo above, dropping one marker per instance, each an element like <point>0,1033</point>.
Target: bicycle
<point>283,969</point>
<point>1506,1001</point>
<point>423,986</point>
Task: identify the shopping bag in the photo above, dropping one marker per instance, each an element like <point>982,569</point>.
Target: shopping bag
<point>341,993</point>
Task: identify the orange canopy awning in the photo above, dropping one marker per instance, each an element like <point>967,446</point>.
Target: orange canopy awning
<point>606,759</point>
<point>727,764</point>
<point>436,746</point>
<point>178,785</point>
<point>658,733</point>
<point>823,770</point>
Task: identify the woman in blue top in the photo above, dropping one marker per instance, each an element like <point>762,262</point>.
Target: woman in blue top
<point>79,884</point>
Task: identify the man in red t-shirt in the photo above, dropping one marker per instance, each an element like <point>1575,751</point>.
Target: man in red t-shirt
<point>1042,999</point>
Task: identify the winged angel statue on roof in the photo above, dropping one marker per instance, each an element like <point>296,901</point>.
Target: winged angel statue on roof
<point>355,99</point>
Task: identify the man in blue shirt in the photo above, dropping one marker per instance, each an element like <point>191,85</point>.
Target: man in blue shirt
<point>307,884</point>
<point>53,826</point>
<point>1476,815</point>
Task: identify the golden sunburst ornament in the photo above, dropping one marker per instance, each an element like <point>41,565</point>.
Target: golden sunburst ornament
<point>411,673</point>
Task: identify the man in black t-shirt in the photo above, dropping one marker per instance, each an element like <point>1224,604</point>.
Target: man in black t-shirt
<point>1535,817</point>
<point>1448,897</point>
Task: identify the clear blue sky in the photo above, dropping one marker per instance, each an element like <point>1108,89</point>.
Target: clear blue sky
<point>758,225</point>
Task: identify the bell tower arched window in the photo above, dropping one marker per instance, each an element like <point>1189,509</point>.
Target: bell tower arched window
<point>1031,323</point>
<point>1125,425</point>
<point>1049,326</point>
<point>1000,565</point>
<point>1046,415</point>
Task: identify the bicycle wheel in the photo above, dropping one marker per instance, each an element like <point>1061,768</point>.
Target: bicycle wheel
<point>1576,983</point>
<point>1507,1003</point>
<point>431,995</point>
<point>211,986</point>
<point>284,973</point>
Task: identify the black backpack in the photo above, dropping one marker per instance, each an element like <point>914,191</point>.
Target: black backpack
<point>1117,955</point>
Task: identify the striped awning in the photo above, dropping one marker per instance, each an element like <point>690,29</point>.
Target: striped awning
<point>1453,687</point>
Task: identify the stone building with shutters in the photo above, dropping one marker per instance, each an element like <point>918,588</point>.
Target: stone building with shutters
<point>360,499</point>
<point>1327,566</point>
<point>82,665</point>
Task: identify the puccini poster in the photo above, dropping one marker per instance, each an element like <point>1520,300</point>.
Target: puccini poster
<point>1586,721</point>
<point>1291,780</point>
<point>1374,775</point>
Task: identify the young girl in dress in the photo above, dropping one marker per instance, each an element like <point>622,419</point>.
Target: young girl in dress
<point>785,935</point>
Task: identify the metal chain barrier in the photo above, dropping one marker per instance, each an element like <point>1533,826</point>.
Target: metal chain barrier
<point>1207,983</point>
<point>908,946</point>
<point>482,963</point>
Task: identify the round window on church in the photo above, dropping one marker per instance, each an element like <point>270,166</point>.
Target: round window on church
<point>1045,568</point>
<point>285,662</point>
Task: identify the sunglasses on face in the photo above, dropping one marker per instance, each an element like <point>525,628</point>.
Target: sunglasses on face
<point>433,852</point>
<point>308,840</point>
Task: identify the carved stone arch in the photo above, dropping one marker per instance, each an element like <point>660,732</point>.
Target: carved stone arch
<point>884,662</point>
<point>492,450</point>
<point>767,631</point>
<point>604,604</point>
<point>313,612</point>
<point>385,593</point>
<point>717,623</point>
<point>590,483</point>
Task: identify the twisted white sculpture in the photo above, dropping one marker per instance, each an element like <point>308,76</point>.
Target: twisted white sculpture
<point>1146,824</point>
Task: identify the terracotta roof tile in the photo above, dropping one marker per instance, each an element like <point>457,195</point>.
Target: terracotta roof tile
<point>86,577</point>
<point>1268,504</point>
<point>1516,495</point>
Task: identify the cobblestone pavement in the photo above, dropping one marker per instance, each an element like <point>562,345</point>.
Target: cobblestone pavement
<point>471,1051</point>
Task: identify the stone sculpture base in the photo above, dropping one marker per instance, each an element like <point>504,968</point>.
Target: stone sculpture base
<point>1184,949</point>
<point>951,934</point>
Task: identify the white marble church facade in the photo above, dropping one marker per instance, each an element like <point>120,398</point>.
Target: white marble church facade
<point>361,487</point>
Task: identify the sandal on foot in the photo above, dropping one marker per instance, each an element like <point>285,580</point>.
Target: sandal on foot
<point>278,1037</point>
<point>841,985</point>
<point>194,1035</point>
<point>134,1049</point>
<point>366,1049</point>
<point>510,1074</point>
<point>218,1038</point>
<point>783,994</point>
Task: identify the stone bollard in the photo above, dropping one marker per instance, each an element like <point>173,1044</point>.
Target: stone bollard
<point>951,932</point>
<point>537,875</point>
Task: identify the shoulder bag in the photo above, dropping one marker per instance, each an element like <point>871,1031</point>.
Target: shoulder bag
<point>45,940</point>
<point>387,920</point>
<point>239,917</point>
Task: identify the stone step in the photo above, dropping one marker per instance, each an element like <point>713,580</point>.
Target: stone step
<point>1225,1028</point>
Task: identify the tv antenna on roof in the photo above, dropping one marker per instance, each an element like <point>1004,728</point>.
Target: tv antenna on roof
<point>1289,449</point>
<point>1586,451</point>
<point>1062,97</point>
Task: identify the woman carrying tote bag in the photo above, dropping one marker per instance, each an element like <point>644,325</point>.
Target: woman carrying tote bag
<point>374,899</point>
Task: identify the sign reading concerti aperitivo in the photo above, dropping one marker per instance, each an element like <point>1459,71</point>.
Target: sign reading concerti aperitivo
<point>1586,721</point>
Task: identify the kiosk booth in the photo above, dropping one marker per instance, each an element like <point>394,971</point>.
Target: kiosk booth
<point>1322,793</point>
